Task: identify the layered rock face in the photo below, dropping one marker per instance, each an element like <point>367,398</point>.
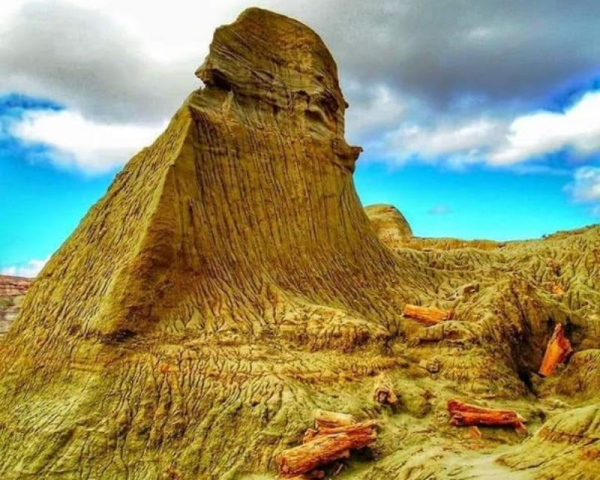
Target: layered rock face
<point>229,283</point>
<point>13,286</point>
<point>12,293</point>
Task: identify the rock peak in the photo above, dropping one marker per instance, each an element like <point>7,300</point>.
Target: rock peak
<point>275,59</point>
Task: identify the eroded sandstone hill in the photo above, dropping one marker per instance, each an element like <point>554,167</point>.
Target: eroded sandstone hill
<point>12,292</point>
<point>230,283</point>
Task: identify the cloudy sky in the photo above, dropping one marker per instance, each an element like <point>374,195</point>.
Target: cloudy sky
<point>478,118</point>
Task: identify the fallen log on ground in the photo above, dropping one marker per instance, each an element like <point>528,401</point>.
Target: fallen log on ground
<point>467,415</point>
<point>427,315</point>
<point>326,446</point>
<point>558,350</point>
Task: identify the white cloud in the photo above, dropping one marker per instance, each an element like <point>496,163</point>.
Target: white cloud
<point>373,111</point>
<point>82,144</point>
<point>544,132</point>
<point>29,269</point>
<point>497,141</point>
<point>456,145</point>
<point>586,185</point>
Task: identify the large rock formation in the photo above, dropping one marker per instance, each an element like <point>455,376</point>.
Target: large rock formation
<point>12,293</point>
<point>229,283</point>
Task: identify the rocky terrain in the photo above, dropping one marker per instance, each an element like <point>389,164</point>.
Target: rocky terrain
<point>229,285</point>
<point>12,293</point>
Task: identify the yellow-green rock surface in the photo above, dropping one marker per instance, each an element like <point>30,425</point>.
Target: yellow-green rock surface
<point>229,283</point>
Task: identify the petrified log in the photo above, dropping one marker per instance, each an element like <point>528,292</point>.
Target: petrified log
<point>384,391</point>
<point>327,419</point>
<point>469,419</point>
<point>328,445</point>
<point>557,351</point>
<point>467,415</point>
<point>327,422</point>
<point>427,315</point>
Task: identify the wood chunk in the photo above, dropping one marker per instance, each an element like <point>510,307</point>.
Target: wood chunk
<point>468,419</point>
<point>427,315</point>
<point>458,406</point>
<point>384,391</point>
<point>557,351</point>
<point>309,435</point>
<point>329,445</point>
<point>467,415</point>
<point>327,419</point>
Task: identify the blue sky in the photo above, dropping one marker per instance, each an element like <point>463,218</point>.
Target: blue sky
<point>471,138</point>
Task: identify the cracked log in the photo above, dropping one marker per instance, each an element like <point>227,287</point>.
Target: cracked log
<point>467,415</point>
<point>327,445</point>
<point>558,350</point>
<point>427,315</point>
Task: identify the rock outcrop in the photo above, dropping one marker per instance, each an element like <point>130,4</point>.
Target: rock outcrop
<point>390,225</point>
<point>12,293</point>
<point>229,284</point>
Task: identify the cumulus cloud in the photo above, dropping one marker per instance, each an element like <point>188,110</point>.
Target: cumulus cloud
<point>520,143</point>
<point>372,112</point>
<point>29,269</point>
<point>457,145</point>
<point>544,132</point>
<point>440,51</point>
<point>78,143</point>
<point>586,185</point>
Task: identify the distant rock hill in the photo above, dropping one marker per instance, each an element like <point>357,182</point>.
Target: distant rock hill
<point>230,284</point>
<point>12,292</point>
<point>390,225</point>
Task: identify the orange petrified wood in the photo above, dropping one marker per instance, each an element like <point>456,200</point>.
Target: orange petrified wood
<point>326,421</point>
<point>428,315</point>
<point>325,446</point>
<point>557,351</point>
<point>466,415</point>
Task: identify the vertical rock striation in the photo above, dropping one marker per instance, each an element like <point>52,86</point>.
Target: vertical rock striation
<point>237,232</point>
